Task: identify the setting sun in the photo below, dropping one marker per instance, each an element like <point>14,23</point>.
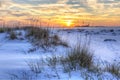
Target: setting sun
<point>69,22</point>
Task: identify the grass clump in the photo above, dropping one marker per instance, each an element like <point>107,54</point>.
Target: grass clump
<point>41,37</point>
<point>53,62</point>
<point>36,66</point>
<point>113,69</point>
<point>38,33</point>
<point>55,40</point>
<point>78,57</point>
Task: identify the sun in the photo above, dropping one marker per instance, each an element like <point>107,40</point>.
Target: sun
<point>68,23</point>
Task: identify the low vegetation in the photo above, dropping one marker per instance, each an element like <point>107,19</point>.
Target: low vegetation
<point>113,69</point>
<point>53,63</point>
<point>1,30</point>
<point>22,75</point>
<point>5,29</point>
<point>78,57</point>
<point>41,37</point>
<point>12,35</point>
<point>38,33</point>
<point>36,66</point>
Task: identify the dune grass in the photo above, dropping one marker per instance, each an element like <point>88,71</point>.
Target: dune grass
<point>113,69</point>
<point>36,66</point>
<point>78,57</point>
<point>22,75</point>
<point>41,37</point>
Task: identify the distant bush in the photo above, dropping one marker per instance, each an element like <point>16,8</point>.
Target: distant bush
<point>111,30</point>
<point>5,29</point>
<point>12,35</point>
<point>2,30</point>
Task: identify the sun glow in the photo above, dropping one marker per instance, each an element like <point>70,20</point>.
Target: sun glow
<point>69,22</point>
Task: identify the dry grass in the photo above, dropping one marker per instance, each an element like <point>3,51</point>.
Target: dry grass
<point>78,57</point>
<point>55,40</point>
<point>36,66</point>
<point>53,63</point>
<point>41,37</point>
<point>22,75</point>
<point>38,33</point>
<point>113,69</point>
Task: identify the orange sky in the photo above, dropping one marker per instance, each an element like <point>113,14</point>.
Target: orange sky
<point>66,13</point>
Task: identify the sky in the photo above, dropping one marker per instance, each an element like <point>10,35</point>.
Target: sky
<point>66,13</point>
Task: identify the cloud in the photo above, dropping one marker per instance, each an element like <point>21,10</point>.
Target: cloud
<point>61,9</point>
<point>108,1</point>
<point>78,3</point>
<point>19,14</point>
<point>4,3</point>
<point>35,2</point>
